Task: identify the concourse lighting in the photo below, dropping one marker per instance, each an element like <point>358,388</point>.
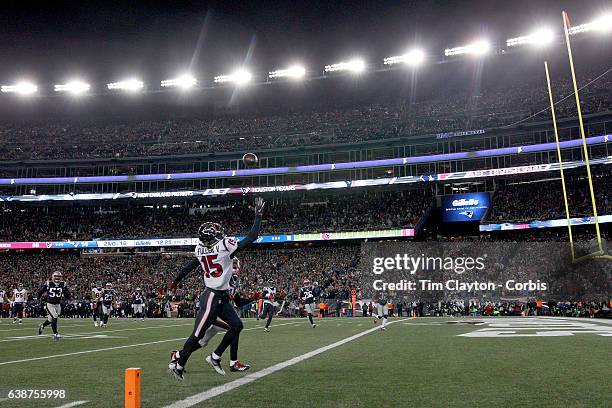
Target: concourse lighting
<point>132,85</point>
<point>477,48</point>
<point>295,72</point>
<point>602,24</point>
<point>356,65</point>
<point>74,87</point>
<point>414,58</point>
<point>540,37</point>
<point>22,88</point>
<point>184,81</point>
<point>239,77</point>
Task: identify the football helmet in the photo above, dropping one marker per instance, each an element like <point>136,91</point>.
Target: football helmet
<point>210,233</point>
<point>109,285</point>
<point>57,276</point>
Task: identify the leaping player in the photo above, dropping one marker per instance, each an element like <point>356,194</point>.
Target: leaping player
<point>20,296</point>
<point>215,253</point>
<point>308,299</point>
<point>220,326</point>
<point>54,290</point>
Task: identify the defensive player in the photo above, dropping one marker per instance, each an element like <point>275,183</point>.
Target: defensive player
<point>53,291</point>
<point>2,300</point>
<point>96,304</point>
<point>108,295</point>
<point>308,299</point>
<point>382,312</point>
<point>20,297</point>
<point>269,304</point>
<point>138,303</point>
<point>214,253</point>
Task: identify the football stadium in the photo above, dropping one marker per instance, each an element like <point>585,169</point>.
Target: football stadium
<point>288,204</point>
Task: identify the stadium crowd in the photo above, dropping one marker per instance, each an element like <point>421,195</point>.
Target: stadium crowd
<point>543,200</point>
<point>452,108</point>
<point>329,213</point>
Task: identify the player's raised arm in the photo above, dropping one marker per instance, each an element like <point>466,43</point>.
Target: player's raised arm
<point>252,236</point>
<point>190,266</point>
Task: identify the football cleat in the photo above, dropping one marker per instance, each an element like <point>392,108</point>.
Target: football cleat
<point>95,324</point>
<point>40,329</point>
<point>104,325</point>
<point>57,336</point>
<point>266,330</point>
<point>383,328</point>
<point>314,325</point>
<point>178,373</point>
<point>238,366</point>
<point>216,364</point>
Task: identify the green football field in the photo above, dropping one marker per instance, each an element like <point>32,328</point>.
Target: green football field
<point>491,362</point>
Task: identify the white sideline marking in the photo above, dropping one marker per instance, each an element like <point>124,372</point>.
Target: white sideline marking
<point>111,348</point>
<point>221,389</point>
<point>73,404</point>
<point>95,333</point>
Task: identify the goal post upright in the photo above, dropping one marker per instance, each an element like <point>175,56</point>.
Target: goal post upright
<point>566,25</point>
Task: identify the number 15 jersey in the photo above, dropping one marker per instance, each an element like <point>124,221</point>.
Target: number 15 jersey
<point>217,263</point>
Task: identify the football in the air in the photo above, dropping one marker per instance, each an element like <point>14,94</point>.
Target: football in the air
<point>250,159</point>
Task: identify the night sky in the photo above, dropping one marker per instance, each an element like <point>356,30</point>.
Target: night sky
<point>51,41</point>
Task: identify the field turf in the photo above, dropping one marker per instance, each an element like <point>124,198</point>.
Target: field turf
<point>415,363</point>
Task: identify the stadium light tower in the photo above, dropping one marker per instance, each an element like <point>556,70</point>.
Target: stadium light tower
<point>185,81</point>
<point>294,72</point>
<point>75,87</point>
<point>130,85</point>
<point>356,65</point>
<point>479,47</point>
<point>602,24</point>
<point>21,88</point>
<point>538,38</point>
<point>413,58</point>
<point>239,77</point>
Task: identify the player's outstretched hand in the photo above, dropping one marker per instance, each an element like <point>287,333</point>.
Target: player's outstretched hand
<point>259,205</point>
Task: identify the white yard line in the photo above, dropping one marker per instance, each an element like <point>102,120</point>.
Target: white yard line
<point>73,404</point>
<point>221,389</point>
<point>112,348</point>
<point>99,331</point>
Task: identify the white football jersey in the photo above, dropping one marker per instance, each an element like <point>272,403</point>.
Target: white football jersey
<point>20,296</point>
<point>217,263</point>
<point>269,295</point>
<point>96,294</point>
<point>2,296</point>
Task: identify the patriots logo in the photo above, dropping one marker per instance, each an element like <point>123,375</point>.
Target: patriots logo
<point>468,214</point>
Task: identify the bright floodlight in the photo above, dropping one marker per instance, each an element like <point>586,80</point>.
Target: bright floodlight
<point>602,24</point>
<point>131,85</point>
<point>356,65</point>
<point>73,87</point>
<point>295,72</point>
<point>239,77</point>
<point>540,37</point>
<point>477,48</point>
<point>22,88</point>
<point>184,81</point>
<point>414,58</point>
